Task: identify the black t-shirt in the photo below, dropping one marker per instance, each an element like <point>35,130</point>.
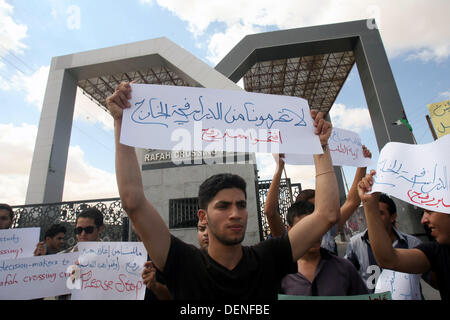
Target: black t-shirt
<point>439,257</point>
<point>191,274</point>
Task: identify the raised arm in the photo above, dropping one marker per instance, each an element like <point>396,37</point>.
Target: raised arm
<point>352,202</point>
<point>146,219</point>
<point>311,228</point>
<point>403,260</point>
<point>274,220</point>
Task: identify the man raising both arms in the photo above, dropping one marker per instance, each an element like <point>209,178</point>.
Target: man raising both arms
<point>226,269</point>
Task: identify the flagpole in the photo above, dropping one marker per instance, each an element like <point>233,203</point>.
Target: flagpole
<point>433,133</point>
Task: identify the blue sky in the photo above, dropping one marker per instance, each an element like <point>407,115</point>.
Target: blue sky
<point>416,35</point>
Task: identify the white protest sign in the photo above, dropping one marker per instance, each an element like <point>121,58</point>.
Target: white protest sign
<point>35,277</point>
<point>403,286</point>
<point>111,271</point>
<point>18,243</point>
<point>416,174</point>
<point>187,118</point>
<point>345,149</point>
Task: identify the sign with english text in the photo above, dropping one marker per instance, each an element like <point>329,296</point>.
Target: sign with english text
<point>18,243</point>
<point>110,271</point>
<point>188,118</point>
<point>35,277</point>
<point>417,174</point>
<point>371,297</point>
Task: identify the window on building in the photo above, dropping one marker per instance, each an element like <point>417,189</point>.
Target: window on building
<point>183,213</point>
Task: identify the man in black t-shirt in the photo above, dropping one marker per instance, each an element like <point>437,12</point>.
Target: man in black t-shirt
<point>434,256</point>
<point>227,269</point>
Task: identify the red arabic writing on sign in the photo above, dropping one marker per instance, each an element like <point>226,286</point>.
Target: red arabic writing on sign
<point>425,199</point>
<point>345,150</point>
<point>211,135</point>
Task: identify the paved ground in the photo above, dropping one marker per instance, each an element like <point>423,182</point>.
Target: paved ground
<point>428,292</point>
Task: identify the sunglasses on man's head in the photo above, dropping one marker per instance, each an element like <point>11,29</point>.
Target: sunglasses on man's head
<point>88,230</point>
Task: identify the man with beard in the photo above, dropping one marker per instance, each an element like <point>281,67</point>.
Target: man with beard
<point>226,269</point>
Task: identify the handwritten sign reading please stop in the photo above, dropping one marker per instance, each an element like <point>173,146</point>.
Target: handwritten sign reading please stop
<point>110,271</point>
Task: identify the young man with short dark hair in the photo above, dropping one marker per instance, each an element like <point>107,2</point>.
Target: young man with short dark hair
<point>53,240</point>
<point>320,273</point>
<point>276,225</point>
<point>359,249</point>
<point>226,269</point>
<point>424,257</point>
<point>88,227</point>
<point>6,216</point>
<point>202,235</point>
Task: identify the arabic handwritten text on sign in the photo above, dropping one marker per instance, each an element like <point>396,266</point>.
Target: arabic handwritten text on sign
<point>417,174</point>
<point>440,115</point>
<point>18,243</point>
<point>111,271</point>
<point>345,149</point>
<point>187,118</point>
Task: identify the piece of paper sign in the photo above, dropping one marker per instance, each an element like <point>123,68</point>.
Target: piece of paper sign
<point>35,277</point>
<point>18,243</point>
<point>417,174</point>
<point>403,286</point>
<point>374,296</point>
<point>345,149</point>
<point>187,118</point>
<point>440,116</point>
<point>111,271</point>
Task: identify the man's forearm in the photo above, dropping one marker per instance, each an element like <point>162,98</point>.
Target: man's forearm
<point>352,202</point>
<point>128,175</point>
<point>326,212</point>
<point>161,291</point>
<point>379,239</point>
<point>353,192</point>
<point>327,196</point>
<point>270,208</point>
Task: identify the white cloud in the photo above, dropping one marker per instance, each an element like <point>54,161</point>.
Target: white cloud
<point>354,119</point>
<point>222,42</point>
<point>11,33</point>
<point>414,27</point>
<point>17,144</point>
<point>445,94</point>
<point>83,181</point>
<point>150,2</point>
<point>34,86</point>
